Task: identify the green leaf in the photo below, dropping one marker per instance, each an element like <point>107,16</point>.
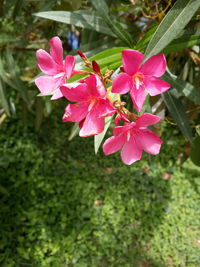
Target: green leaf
<point>18,6</point>
<point>184,88</point>
<point>114,25</point>
<point>177,111</point>
<point>182,43</point>
<point>89,20</point>
<point>195,151</point>
<point>3,99</point>
<point>99,138</point>
<point>7,38</point>
<point>172,24</point>
<point>74,131</point>
<point>141,44</point>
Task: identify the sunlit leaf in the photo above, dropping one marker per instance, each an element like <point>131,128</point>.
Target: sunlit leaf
<point>172,24</point>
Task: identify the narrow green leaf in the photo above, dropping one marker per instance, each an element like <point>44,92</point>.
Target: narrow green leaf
<point>99,138</point>
<point>113,25</point>
<point>74,131</point>
<point>183,87</point>
<point>89,20</point>
<point>182,43</point>
<point>3,99</point>
<point>172,24</point>
<point>195,151</point>
<point>177,111</point>
<point>17,8</point>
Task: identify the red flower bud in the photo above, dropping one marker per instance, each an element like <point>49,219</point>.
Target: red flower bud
<point>96,67</point>
<point>81,54</point>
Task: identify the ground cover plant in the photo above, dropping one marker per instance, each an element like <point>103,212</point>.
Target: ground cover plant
<point>82,210</point>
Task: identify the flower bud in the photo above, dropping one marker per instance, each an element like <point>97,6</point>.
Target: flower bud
<point>81,54</point>
<point>96,67</point>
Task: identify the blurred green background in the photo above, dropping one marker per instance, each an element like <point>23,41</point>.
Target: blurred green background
<point>60,205</point>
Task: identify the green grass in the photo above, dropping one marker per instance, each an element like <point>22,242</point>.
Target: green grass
<point>63,206</point>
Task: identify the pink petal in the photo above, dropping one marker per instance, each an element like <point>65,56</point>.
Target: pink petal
<point>46,63</point>
<point>122,84</point>
<point>57,94</point>
<point>105,108</point>
<point>123,129</point>
<point>147,119</point>
<point>155,86</point>
<point>78,93</point>
<point>113,144</point>
<point>154,66</point>
<point>149,141</point>
<point>138,97</point>
<point>75,112</point>
<point>95,86</point>
<point>69,65</point>
<point>47,84</point>
<point>131,151</point>
<point>92,125</point>
<point>131,60</point>
<point>56,50</point>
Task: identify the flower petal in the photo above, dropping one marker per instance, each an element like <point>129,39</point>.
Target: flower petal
<point>154,66</point>
<point>69,65</point>
<point>113,144</point>
<point>147,119</point>
<point>138,96</point>
<point>131,151</point>
<point>93,124</point>
<point>123,129</point>
<point>47,84</point>
<point>75,112</point>
<point>95,86</point>
<point>105,108</point>
<point>78,93</point>
<point>155,86</point>
<point>122,83</point>
<point>149,141</point>
<point>131,60</point>
<point>56,50</point>
<point>46,63</point>
<point>57,94</point>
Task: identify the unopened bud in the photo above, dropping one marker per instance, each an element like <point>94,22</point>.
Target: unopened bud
<point>81,54</point>
<point>96,67</point>
<point>122,69</point>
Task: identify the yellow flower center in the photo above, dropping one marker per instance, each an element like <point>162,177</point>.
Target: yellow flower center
<point>138,80</point>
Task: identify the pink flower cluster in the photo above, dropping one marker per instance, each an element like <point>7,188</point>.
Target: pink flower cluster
<point>92,102</point>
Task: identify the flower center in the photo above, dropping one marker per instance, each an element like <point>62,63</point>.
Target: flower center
<point>138,79</point>
<point>93,101</point>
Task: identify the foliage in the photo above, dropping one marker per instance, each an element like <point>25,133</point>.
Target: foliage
<point>143,25</point>
<point>58,211</point>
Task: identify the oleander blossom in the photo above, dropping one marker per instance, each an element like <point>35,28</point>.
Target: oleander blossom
<point>133,138</point>
<point>56,69</point>
<point>91,108</point>
<point>140,78</point>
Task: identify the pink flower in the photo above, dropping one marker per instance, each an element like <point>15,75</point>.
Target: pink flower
<point>133,138</point>
<point>56,70</point>
<point>137,77</point>
<point>167,175</point>
<point>91,107</point>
